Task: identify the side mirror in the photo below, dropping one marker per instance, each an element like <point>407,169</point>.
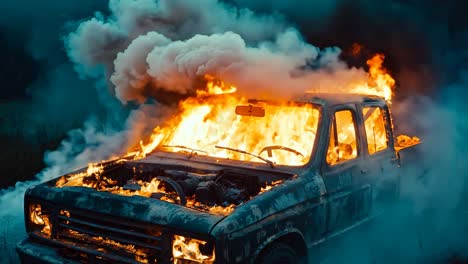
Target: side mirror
<point>250,110</point>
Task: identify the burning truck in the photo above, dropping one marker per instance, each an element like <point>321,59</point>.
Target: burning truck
<point>227,180</point>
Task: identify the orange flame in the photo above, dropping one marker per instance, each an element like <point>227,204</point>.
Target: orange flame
<point>379,83</point>
<point>271,185</point>
<point>283,134</point>
<point>216,123</point>
<point>188,249</point>
<point>215,86</point>
<point>404,141</point>
<point>38,217</point>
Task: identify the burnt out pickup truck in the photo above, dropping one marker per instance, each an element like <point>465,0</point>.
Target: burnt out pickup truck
<point>280,179</point>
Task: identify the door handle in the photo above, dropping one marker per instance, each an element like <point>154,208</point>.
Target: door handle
<point>364,171</point>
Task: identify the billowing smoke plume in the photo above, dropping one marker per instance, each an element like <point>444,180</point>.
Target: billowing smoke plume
<point>144,52</point>
<point>150,47</point>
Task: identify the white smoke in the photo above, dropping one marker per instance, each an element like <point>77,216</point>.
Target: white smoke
<point>152,46</point>
<point>98,40</point>
<point>144,47</point>
<point>81,146</point>
<point>130,76</point>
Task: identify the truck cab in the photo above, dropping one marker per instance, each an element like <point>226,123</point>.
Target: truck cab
<point>253,207</point>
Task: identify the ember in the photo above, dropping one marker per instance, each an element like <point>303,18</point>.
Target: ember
<point>188,249</point>
<point>269,186</point>
<point>40,217</point>
<point>404,141</point>
<point>217,192</point>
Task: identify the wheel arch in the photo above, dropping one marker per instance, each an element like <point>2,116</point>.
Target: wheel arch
<point>291,237</point>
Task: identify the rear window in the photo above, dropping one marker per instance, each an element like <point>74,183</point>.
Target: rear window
<point>376,133</point>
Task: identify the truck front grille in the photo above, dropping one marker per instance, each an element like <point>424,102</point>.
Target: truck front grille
<point>91,237</point>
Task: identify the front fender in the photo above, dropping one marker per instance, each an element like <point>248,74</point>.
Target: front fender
<point>291,193</point>
<point>295,207</point>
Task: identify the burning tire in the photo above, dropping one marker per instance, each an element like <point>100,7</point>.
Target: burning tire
<point>279,253</point>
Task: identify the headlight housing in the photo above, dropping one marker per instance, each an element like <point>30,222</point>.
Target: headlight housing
<point>186,250</point>
<point>37,219</point>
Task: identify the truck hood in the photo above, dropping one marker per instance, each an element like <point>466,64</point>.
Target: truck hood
<point>133,207</point>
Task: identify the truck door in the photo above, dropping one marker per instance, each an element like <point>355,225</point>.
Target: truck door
<point>379,154</point>
<point>348,200</point>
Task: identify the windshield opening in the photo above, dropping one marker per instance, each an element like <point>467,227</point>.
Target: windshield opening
<point>282,134</point>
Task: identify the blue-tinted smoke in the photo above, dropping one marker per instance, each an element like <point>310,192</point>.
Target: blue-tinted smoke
<point>55,96</point>
<point>424,41</point>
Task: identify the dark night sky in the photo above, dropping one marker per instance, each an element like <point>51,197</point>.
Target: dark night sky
<point>17,68</point>
<point>31,41</point>
<point>425,42</point>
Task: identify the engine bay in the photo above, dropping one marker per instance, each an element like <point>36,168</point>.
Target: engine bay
<point>216,191</point>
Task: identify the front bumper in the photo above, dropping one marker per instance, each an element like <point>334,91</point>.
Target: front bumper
<point>31,252</point>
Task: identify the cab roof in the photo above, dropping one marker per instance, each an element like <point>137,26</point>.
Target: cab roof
<point>335,98</point>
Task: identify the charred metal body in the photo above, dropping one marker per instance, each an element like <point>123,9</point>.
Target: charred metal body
<point>306,205</point>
